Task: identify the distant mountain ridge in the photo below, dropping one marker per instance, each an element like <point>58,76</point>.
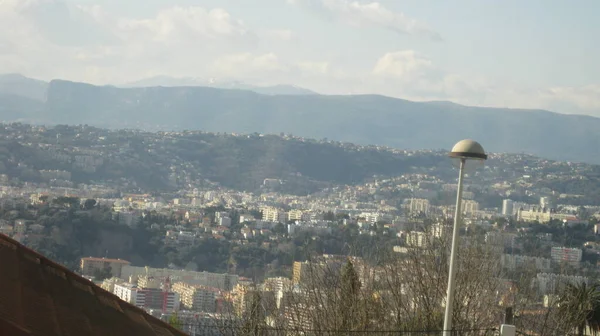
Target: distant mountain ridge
<point>166,81</point>
<point>19,85</point>
<point>361,119</point>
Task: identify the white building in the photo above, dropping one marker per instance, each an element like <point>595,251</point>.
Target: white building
<point>513,262</point>
<point>550,283</point>
<point>508,208</point>
<point>416,239</point>
<point>196,297</point>
<point>469,207</point>
<point>546,203</point>
<point>217,280</point>
<point>571,255</point>
<point>150,298</point>
<point>419,205</point>
<point>539,214</point>
<point>272,214</point>
<point>439,230</point>
<point>316,227</point>
<point>298,215</point>
<point>375,217</point>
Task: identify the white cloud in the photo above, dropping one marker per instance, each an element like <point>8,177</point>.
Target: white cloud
<point>405,64</point>
<point>372,14</point>
<point>246,64</point>
<point>179,24</point>
<point>271,69</point>
<point>319,68</point>
<point>279,34</point>
<point>52,39</point>
<point>410,75</point>
<point>584,97</point>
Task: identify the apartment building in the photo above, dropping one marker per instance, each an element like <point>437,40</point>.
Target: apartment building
<point>221,281</point>
<point>418,205</point>
<point>513,262</point>
<point>549,283</point>
<point>197,297</point>
<point>470,207</point>
<point>90,265</point>
<point>542,215</point>
<point>147,298</point>
<point>508,207</point>
<point>298,215</point>
<point>244,298</point>
<point>571,255</point>
<point>271,214</point>
<point>416,239</point>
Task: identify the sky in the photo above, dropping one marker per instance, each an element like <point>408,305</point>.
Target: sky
<point>511,53</point>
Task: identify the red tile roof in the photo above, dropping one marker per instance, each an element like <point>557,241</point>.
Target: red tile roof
<point>40,297</point>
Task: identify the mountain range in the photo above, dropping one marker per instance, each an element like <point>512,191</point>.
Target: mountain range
<point>361,119</point>
<point>167,81</point>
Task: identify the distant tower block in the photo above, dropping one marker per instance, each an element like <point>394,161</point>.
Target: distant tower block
<point>546,202</point>
<point>507,207</point>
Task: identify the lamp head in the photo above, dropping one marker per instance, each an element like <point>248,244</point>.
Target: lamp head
<point>468,150</point>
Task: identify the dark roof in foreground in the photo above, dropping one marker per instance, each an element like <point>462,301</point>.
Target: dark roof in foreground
<point>42,298</point>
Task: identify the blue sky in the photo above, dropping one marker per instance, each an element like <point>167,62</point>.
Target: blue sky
<point>529,54</point>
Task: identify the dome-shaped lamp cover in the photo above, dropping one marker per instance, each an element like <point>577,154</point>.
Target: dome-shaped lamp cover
<point>468,149</point>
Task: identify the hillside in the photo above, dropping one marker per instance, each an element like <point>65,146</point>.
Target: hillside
<point>162,161</point>
<point>365,119</point>
<point>361,119</point>
<point>19,85</point>
<point>134,161</point>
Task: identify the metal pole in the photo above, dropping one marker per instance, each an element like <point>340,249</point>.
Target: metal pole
<point>450,293</point>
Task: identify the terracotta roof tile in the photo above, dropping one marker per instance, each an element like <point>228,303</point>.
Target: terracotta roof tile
<point>41,298</point>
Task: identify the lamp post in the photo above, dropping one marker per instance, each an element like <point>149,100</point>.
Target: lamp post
<point>464,150</point>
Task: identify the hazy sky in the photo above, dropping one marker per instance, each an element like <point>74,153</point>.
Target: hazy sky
<point>509,53</point>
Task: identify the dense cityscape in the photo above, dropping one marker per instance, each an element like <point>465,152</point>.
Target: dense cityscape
<point>197,252</point>
<point>299,168</point>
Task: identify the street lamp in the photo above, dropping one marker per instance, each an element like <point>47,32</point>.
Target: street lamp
<point>464,150</point>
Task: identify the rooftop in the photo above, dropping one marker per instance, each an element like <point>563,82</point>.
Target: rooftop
<point>41,297</point>
<point>106,260</point>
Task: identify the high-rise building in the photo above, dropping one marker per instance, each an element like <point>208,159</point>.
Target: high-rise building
<point>271,214</point>
<point>325,266</point>
<point>416,239</point>
<point>418,205</point>
<point>243,297</point>
<point>148,282</point>
<point>295,215</point>
<point>508,207</point>
<point>546,203</point>
<point>469,207</point>
<point>439,230</point>
<point>300,271</point>
<point>196,297</point>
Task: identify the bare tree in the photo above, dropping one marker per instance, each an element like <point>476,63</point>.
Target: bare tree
<point>395,292</point>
